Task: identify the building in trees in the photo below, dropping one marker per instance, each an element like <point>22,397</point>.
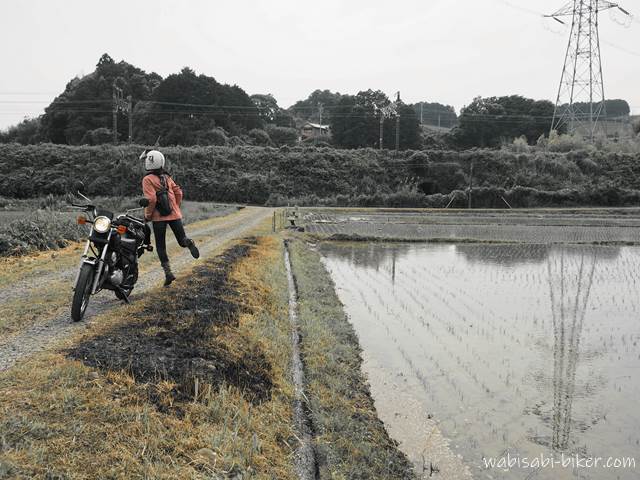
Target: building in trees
<point>314,130</point>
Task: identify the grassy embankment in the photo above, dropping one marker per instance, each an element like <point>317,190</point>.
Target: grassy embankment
<point>190,383</point>
<point>350,440</point>
<point>525,176</point>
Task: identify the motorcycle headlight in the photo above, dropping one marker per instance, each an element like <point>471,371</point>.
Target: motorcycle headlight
<point>101,224</point>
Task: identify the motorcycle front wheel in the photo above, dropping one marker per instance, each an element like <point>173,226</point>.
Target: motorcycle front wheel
<point>82,292</point>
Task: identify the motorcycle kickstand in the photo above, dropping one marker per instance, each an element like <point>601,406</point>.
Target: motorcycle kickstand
<point>124,296</point>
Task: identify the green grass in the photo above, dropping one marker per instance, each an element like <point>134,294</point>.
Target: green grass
<point>351,441</point>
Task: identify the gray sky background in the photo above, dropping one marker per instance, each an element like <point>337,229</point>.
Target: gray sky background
<point>435,50</point>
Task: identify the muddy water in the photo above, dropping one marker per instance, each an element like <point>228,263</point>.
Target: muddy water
<point>514,352</point>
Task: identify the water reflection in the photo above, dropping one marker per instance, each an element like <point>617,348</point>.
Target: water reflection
<point>511,348</point>
<point>568,311</point>
<point>386,255</point>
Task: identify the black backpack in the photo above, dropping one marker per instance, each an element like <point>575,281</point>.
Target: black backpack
<point>162,197</point>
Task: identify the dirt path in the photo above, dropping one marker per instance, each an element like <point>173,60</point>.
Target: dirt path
<point>209,236</point>
<point>67,270</point>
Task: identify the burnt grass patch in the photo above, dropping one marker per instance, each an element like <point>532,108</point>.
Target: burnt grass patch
<point>186,338</point>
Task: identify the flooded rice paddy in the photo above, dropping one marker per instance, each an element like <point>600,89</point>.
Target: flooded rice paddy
<point>477,351</point>
<point>486,226</point>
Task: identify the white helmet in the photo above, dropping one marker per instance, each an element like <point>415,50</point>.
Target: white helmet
<point>153,159</point>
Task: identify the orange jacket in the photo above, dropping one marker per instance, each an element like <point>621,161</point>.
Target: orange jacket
<point>150,185</point>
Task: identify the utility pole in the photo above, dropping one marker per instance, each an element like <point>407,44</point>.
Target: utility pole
<point>397,104</point>
<point>381,127</point>
<point>421,111</point>
<point>130,111</point>
<point>320,107</point>
<point>581,102</point>
<point>120,104</point>
<point>115,115</point>
<point>470,180</point>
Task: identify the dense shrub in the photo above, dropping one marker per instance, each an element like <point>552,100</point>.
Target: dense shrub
<point>281,136</point>
<point>213,136</point>
<point>366,177</point>
<point>259,137</point>
<point>97,136</point>
<point>39,231</point>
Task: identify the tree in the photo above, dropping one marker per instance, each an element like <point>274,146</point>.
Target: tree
<point>26,132</point>
<point>435,114</point>
<point>270,112</point>
<point>308,109</point>
<point>267,106</point>
<point>186,106</point>
<point>613,108</point>
<point>85,105</point>
<point>353,121</point>
<point>282,135</point>
<point>486,122</point>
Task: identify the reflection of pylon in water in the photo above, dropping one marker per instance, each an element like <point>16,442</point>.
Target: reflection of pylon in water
<point>568,314</point>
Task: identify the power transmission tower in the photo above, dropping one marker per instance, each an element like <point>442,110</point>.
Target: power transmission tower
<point>121,105</point>
<point>388,111</point>
<point>580,100</point>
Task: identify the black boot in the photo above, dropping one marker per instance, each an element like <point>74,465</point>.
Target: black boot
<point>191,245</point>
<point>168,274</point>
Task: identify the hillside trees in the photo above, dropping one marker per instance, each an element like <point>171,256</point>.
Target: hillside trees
<point>185,107</point>
<point>355,122</point>
<point>614,108</point>
<point>308,109</point>
<point>436,114</point>
<point>270,112</point>
<point>486,122</point>
<point>86,103</point>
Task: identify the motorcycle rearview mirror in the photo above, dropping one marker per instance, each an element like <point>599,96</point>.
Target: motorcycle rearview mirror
<point>79,187</point>
<point>143,202</point>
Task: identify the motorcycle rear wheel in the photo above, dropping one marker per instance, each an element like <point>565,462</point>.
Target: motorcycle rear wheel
<point>82,292</point>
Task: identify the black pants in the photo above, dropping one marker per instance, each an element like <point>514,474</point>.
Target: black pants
<point>160,232</point>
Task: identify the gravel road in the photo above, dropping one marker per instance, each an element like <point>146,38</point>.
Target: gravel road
<point>44,334</point>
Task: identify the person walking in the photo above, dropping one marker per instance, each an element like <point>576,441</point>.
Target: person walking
<point>165,197</point>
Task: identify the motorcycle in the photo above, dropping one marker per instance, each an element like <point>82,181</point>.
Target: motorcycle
<point>110,257</point>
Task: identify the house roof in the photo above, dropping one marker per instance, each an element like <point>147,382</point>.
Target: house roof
<point>317,125</point>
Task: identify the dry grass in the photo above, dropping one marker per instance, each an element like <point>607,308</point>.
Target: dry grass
<point>350,440</point>
<point>60,418</point>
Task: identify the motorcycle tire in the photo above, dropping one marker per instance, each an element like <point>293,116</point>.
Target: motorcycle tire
<point>82,292</point>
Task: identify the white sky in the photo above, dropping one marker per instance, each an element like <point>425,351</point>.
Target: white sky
<point>436,50</point>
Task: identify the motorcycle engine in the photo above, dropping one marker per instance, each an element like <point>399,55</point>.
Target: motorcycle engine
<point>116,277</point>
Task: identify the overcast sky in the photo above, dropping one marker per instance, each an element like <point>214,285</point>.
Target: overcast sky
<point>447,51</point>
